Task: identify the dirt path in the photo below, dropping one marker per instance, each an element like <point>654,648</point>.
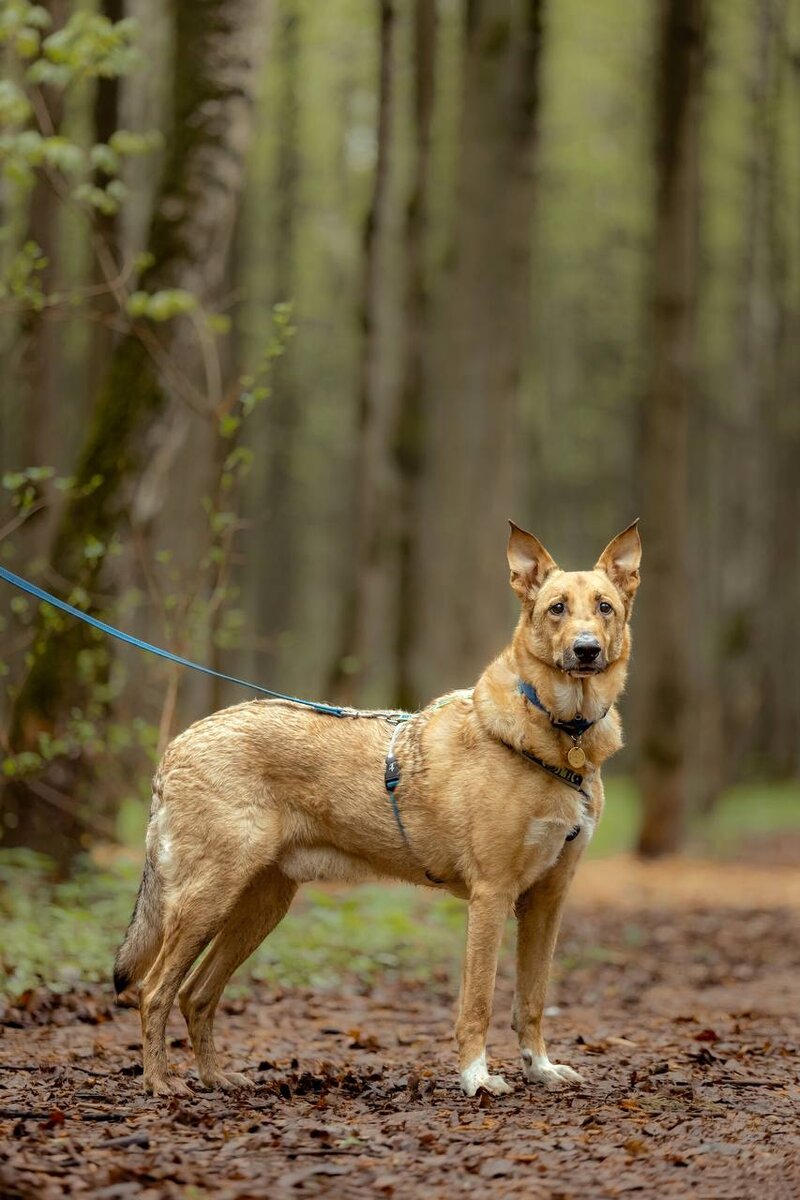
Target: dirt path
<point>683,1019</point>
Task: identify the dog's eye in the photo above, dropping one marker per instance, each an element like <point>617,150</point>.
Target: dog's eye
<point>605,608</point>
<point>557,608</point>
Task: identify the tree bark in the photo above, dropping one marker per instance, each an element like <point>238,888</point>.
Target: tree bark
<point>481,332</point>
<point>779,741</point>
<point>373,431</point>
<point>216,59</point>
<point>275,588</point>
<point>105,225</point>
<point>410,428</point>
<point>742,503</point>
<point>663,652</point>
<point>40,361</point>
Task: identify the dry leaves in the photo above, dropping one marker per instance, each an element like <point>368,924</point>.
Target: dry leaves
<point>692,1073</point>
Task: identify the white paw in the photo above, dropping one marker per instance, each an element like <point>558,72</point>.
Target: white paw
<point>476,1076</point>
<point>537,1068</point>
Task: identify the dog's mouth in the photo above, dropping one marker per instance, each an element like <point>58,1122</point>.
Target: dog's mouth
<point>578,670</point>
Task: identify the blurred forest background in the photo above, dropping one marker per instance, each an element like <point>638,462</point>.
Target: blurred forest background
<point>301,301</point>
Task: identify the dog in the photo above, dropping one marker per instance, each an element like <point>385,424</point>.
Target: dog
<point>491,794</point>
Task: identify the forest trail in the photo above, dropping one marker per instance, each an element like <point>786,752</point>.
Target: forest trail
<point>679,1007</point>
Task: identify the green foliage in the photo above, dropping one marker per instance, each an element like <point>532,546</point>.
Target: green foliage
<point>88,46</point>
<point>59,933</point>
<point>162,305</point>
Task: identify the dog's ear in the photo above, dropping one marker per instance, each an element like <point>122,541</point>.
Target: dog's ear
<point>528,561</point>
<point>620,560</point>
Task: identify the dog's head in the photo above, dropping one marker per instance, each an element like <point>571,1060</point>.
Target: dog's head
<point>575,621</point>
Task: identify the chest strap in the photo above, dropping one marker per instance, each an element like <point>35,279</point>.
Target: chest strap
<point>391,780</point>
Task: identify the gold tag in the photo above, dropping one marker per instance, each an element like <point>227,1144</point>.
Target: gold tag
<point>576,757</point>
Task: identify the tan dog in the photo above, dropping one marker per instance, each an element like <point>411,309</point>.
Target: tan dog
<point>482,800</point>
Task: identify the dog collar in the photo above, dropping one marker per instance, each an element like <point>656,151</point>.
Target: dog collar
<point>575,728</point>
<point>571,778</point>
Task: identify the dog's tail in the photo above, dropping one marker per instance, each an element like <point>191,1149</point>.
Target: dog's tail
<point>144,935</point>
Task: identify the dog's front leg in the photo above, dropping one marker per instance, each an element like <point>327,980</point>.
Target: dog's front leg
<point>488,910</point>
<point>538,919</point>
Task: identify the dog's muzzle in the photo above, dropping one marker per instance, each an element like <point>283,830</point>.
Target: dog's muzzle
<point>585,656</point>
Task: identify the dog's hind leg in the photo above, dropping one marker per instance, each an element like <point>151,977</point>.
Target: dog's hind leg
<point>190,925</point>
<point>258,911</point>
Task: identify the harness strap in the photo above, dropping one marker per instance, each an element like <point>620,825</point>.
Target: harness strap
<point>391,778</point>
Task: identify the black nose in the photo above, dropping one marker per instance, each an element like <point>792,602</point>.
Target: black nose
<point>586,648</point>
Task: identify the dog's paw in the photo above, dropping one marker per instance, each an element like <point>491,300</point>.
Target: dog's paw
<point>226,1081</point>
<point>167,1085</point>
<point>476,1077</point>
<point>537,1068</point>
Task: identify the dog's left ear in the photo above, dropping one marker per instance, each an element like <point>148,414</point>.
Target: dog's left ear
<point>620,560</point>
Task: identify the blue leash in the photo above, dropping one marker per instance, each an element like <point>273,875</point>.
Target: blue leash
<point>17,581</point>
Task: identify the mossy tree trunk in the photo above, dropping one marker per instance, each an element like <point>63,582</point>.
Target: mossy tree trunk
<point>217,45</point>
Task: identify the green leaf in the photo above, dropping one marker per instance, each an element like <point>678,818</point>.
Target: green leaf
<point>103,158</point>
<point>15,107</point>
<point>228,425</point>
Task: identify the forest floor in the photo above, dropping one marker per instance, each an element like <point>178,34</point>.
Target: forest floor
<point>676,996</point>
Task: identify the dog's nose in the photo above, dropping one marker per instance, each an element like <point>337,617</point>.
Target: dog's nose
<point>587,648</point>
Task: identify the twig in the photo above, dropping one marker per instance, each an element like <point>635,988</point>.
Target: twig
<point>20,519</point>
<point>730,1081</point>
<point>136,1139</point>
<point>64,804</point>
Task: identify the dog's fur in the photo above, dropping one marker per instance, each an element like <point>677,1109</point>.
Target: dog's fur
<point>258,798</point>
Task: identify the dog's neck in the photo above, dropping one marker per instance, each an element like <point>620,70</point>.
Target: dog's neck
<point>510,717</point>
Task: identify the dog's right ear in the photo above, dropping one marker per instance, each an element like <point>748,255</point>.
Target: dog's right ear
<point>528,561</point>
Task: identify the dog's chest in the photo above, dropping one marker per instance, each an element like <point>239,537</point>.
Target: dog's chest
<point>543,842</point>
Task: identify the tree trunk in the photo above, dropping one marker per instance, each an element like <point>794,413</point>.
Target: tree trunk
<point>410,429</point>
<point>663,651</point>
<point>40,362</point>
<point>481,332</point>
<point>779,741</point>
<point>104,225</point>
<point>373,463</point>
<point>275,587</point>
<point>215,69</point>
<point>744,505</point>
